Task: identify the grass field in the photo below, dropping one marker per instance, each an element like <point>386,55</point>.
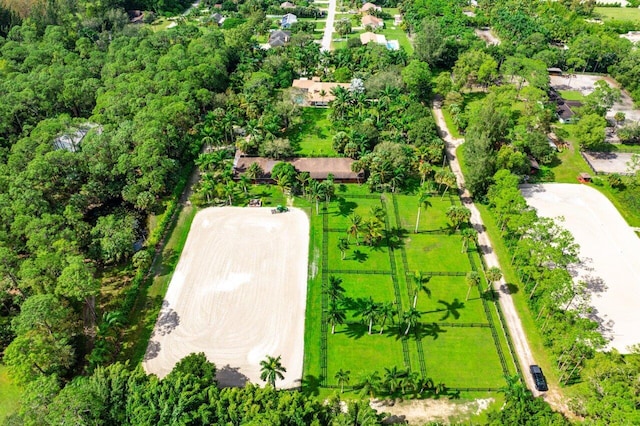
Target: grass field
<point>571,95</point>
<point>454,343</point>
<point>315,136</point>
<point>9,394</point>
<point>618,13</point>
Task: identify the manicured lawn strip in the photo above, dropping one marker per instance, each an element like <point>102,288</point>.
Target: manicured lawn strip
<point>313,315</point>
<point>447,302</point>
<point>450,124</point>
<point>618,13</point>
<point>432,217</point>
<point>314,138</point>
<point>571,95</point>
<point>9,393</point>
<point>343,207</point>
<point>362,355</point>
<point>436,253</point>
<point>463,357</point>
<point>361,258</point>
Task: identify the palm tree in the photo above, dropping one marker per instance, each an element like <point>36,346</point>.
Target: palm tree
<point>493,274</point>
<point>354,228</point>
<point>423,199</point>
<point>420,284</point>
<point>392,378</point>
<point>271,369</point>
<point>458,215</point>
<point>335,315</point>
<point>468,236</point>
<point>316,193</point>
<point>254,171</point>
<point>386,311</point>
<point>378,212</point>
<point>373,231</point>
<point>304,178</point>
<point>473,280</point>
<point>343,246</point>
<point>411,318</point>
<point>369,384</point>
<point>244,183</point>
<point>369,312</point>
<point>334,289</point>
<point>343,377</point>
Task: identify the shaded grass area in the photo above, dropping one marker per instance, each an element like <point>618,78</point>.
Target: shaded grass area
<point>9,394</point>
<point>451,127</point>
<point>314,138</point>
<point>447,302</point>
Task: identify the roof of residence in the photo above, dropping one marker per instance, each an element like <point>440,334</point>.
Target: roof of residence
<point>371,20</point>
<point>287,5</point>
<point>369,6</point>
<point>316,90</point>
<point>372,37</point>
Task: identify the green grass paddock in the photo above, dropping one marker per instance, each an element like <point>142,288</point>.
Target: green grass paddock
<point>453,344</point>
<point>9,394</point>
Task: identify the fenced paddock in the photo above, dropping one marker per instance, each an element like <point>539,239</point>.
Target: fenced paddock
<point>238,294</point>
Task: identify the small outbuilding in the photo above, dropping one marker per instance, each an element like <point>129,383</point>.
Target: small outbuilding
<point>288,20</point>
<point>369,7</point>
<point>584,178</point>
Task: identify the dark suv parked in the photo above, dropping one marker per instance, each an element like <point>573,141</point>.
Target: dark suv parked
<point>538,378</point>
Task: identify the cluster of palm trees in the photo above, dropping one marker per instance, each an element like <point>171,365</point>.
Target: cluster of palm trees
<point>370,312</point>
<point>370,229</point>
<point>217,184</point>
<point>394,381</point>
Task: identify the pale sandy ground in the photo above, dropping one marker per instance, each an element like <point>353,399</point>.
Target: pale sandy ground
<point>422,411</point>
<point>609,249</point>
<point>609,162</point>
<point>238,294</point>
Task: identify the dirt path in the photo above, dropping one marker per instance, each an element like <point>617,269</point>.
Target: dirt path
<point>506,302</point>
<point>554,396</point>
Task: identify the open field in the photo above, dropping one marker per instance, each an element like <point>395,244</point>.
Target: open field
<point>238,294</point>
<point>458,342</point>
<point>618,13</point>
<point>315,137</point>
<point>608,249</point>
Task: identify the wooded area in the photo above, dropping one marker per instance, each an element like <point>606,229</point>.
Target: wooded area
<point>101,121</point>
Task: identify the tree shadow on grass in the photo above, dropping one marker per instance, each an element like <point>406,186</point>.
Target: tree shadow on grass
<point>228,376</point>
<point>360,256</point>
<point>451,309</point>
<point>345,208</point>
<point>356,330</point>
<point>311,385</point>
<point>490,295</point>
<point>428,330</point>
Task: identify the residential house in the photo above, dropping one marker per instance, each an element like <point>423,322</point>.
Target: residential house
<point>287,5</point>
<point>369,37</point>
<point>316,93</point>
<point>279,38</point>
<point>288,20</point>
<point>217,19</point>
<point>564,110</point>
<point>372,22</point>
<point>370,7</point>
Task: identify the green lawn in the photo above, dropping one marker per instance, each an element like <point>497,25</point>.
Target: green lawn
<point>392,32</point>
<point>315,137</point>
<point>461,356</point>
<point>618,13</point>
<point>453,129</point>
<point>571,95</point>
<point>9,394</point>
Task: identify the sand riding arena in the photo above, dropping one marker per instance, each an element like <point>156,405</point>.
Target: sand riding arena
<point>609,252</point>
<point>238,294</point>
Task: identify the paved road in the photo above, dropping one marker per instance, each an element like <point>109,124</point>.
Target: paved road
<point>511,317</point>
<point>328,29</point>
